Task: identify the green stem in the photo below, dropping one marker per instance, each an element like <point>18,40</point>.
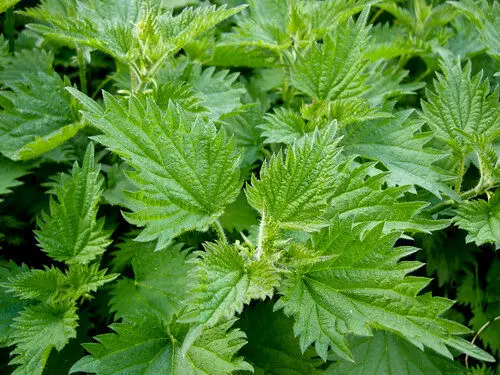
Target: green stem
<point>262,236</point>
<point>377,15</point>
<point>461,167</point>
<point>441,206</point>
<point>423,75</point>
<point>82,70</point>
<point>220,232</point>
<point>9,28</point>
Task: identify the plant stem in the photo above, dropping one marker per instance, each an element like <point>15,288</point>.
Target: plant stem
<point>374,18</point>
<point>441,206</point>
<point>9,28</point>
<point>82,70</point>
<point>262,237</point>
<point>461,167</point>
<point>220,232</point>
<point>485,325</point>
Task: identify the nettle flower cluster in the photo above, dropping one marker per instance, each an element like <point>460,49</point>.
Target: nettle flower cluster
<point>298,183</point>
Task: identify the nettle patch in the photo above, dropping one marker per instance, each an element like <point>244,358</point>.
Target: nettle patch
<point>262,187</point>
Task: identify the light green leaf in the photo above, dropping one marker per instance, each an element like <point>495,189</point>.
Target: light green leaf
<point>226,280</point>
<point>74,214</point>
<point>385,353</point>
<point>127,30</point>
<point>24,62</point>
<point>398,144</point>
<point>486,17</point>
<point>52,285</point>
<point>363,286</point>
<point>36,116</point>
<point>215,92</point>
<point>359,196</point>
<point>293,190</point>
<point>159,286</point>
<point>6,4</point>
<point>186,170</point>
<point>481,219</point>
<point>39,329</point>
<point>461,102</point>
<point>334,69</point>
<point>146,345</point>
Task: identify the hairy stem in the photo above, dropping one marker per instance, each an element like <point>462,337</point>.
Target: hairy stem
<point>461,167</point>
<point>441,206</point>
<point>262,236</point>
<point>220,232</point>
<point>82,70</point>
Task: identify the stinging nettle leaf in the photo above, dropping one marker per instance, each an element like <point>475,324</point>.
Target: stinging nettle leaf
<point>226,280</point>
<point>359,196</point>
<point>74,215</point>
<point>186,170</point>
<point>147,345</point>
<point>386,353</point>
<point>37,330</point>
<point>461,102</point>
<point>10,171</point>
<point>363,286</point>
<point>52,285</point>
<point>294,187</point>
<point>398,144</point>
<point>160,284</point>
<point>481,219</point>
<point>37,116</point>
<point>334,70</point>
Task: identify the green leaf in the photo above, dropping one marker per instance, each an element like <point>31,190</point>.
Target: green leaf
<point>398,143</point>
<point>52,285</point>
<point>486,17</point>
<point>464,103</point>
<point>36,116</point>
<point>146,345</point>
<point>23,62</point>
<point>159,285</point>
<point>242,124</point>
<point>74,214</point>
<point>117,184</point>
<point>272,348</point>
<point>39,329</point>
<point>216,91</point>
<point>363,286</point>
<point>10,305</point>
<point>481,219</point>
<point>226,280</point>
<point>385,82</point>
<point>385,353</point>
<point>239,216</point>
<point>333,70</point>
<point>129,31</point>
<point>360,197</point>
<point>284,126</point>
<point>9,173</point>
<point>6,4</point>
<point>293,190</point>
<point>186,170</point>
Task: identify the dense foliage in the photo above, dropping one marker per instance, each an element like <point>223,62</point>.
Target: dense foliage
<point>278,187</point>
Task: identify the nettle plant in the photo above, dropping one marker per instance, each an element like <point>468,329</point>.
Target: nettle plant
<point>269,172</point>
